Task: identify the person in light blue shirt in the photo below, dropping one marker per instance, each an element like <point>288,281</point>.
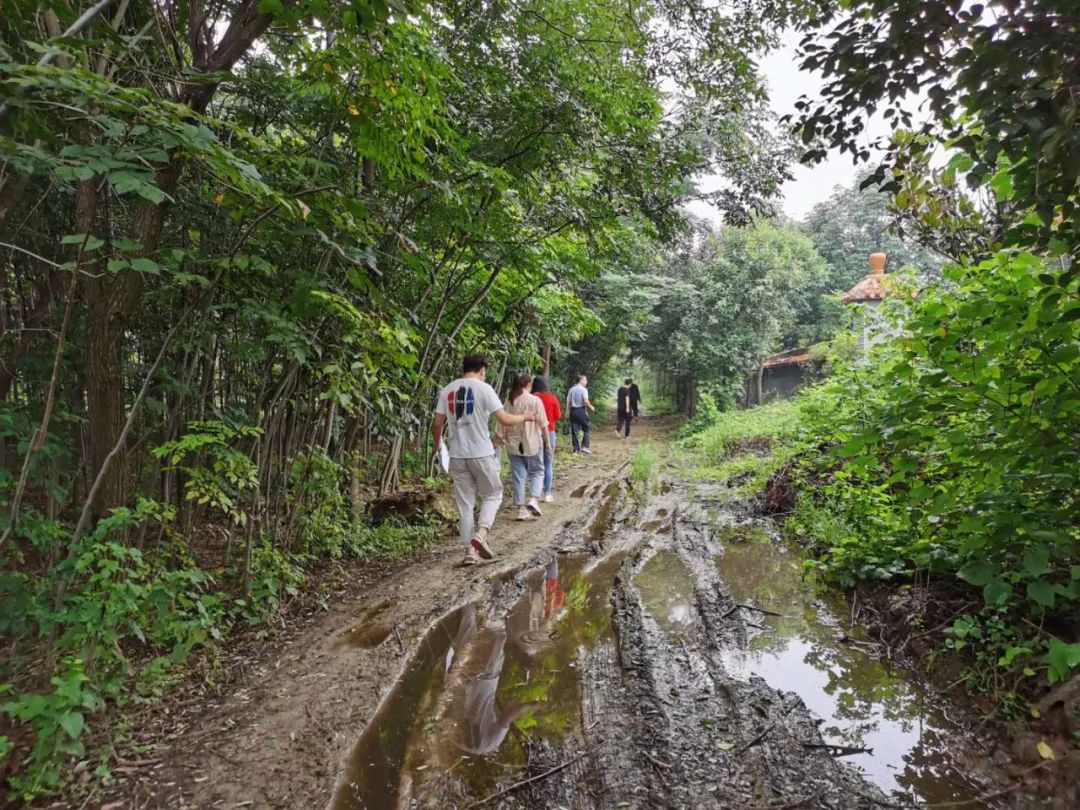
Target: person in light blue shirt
<point>577,403</point>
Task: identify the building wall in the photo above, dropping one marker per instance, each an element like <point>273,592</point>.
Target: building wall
<point>780,382</point>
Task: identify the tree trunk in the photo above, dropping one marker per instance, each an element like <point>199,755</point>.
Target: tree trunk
<point>105,401</point>
<point>112,300</point>
<point>47,289</point>
<point>328,432</point>
<point>355,497</point>
<point>391,476</point>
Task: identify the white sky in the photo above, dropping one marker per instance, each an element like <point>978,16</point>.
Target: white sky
<point>812,184</point>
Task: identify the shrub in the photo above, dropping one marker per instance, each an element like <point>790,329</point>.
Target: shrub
<point>953,449</point>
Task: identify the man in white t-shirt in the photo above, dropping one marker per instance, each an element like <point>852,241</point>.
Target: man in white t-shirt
<point>465,406</point>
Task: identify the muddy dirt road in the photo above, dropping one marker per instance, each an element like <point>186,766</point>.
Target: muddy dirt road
<point>613,657</point>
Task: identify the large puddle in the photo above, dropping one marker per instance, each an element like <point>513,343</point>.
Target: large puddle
<point>458,720</point>
<point>667,592</point>
<point>487,685</point>
<point>863,703</point>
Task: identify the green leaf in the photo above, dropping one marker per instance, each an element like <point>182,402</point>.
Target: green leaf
<point>996,592</point>
<point>852,446</point>
<point>961,162</point>
<point>1037,561</point>
<point>151,193</point>
<point>1002,185</point>
<point>144,265</point>
<point>1061,659</point>
<point>978,573</point>
<point>1041,592</point>
<point>86,242</point>
<point>73,723</point>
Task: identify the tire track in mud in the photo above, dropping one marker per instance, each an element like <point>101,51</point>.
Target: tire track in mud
<point>721,742</point>
<point>627,682</point>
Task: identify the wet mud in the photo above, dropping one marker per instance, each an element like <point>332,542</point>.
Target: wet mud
<point>371,630</point>
<point>647,670</point>
<point>484,685</point>
<point>601,521</point>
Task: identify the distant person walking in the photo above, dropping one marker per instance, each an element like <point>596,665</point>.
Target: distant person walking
<point>554,413</point>
<point>526,445</point>
<point>466,405</point>
<point>635,398</point>
<point>622,410</point>
<point>577,403</point>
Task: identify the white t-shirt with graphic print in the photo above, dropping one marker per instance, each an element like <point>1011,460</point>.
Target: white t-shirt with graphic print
<point>468,404</point>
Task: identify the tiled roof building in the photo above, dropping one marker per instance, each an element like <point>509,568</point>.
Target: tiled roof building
<point>872,287</point>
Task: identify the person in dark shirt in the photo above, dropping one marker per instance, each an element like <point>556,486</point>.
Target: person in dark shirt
<point>635,398</point>
<point>623,410</point>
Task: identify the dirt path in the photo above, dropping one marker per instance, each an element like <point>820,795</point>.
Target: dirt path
<point>282,738</point>
<point>632,649</point>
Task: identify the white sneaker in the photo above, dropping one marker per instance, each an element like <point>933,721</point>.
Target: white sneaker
<point>523,514</point>
<point>549,498</point>
<point>480,546</point>
<point>586,450</point>
<point>534,507</point>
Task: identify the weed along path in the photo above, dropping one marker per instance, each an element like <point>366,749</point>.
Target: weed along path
<point>646,644</point>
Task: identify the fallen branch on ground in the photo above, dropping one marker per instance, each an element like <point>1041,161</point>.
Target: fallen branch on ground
<point>756,739</point>
<point>528,781</point>
<point>839,750</point>
<point>655,761</point>
<point>752,607</point>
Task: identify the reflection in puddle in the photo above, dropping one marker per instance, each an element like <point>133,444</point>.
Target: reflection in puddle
<point>476,689</point>
<point>862,702</point>
<point>374,772</point>
<point>667,591</point>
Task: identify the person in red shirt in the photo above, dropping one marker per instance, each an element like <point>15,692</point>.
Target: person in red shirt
<point>554,414</point>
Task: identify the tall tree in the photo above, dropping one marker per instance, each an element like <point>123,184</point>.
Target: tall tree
<point>729,299</point>
<point>855,222</point>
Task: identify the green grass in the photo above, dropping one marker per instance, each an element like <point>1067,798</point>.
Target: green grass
<point>733,431</point>
<point>744,447</point>
<point>641,467</point>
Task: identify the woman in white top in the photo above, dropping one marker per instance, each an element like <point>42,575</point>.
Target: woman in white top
<point>525,445</point>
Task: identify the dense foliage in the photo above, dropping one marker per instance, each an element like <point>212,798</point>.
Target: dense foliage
<point>950,449</point>
<point>853,223</point>
<point>974,475</point>
<point>724,301</point>
<point>995,80</point>
<point>241,242</point>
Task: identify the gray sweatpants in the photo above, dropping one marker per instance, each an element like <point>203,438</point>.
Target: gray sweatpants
<point>470,477</point>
